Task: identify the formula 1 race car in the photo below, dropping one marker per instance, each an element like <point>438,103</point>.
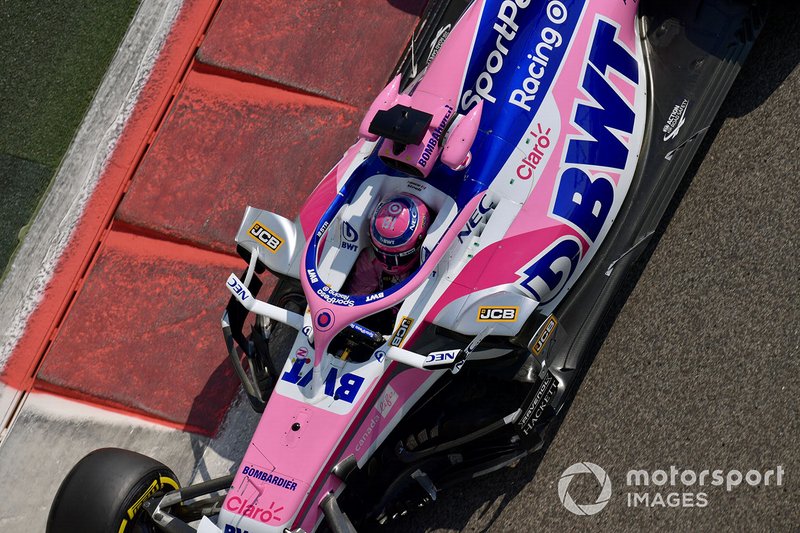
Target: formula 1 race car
<point>527,149</point>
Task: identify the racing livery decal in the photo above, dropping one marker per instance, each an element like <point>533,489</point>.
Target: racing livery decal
<point>676,120</point>
<point>547,273</point>
<point>540,141</point>
<point>584,193</point>
<point>523,46</point>
<point>243,507</point>
<point>545,333</point>
<point>537,402</point>
<point>265,237</point>
<point>595,167</point>
<point>497,314</point>
<point>344,387</point>
<point>402,331</point>
<point>349,237</point>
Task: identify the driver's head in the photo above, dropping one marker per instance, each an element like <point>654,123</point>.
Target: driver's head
<point>397,229</point>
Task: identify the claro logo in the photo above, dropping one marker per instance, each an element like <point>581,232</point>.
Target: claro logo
<point>242,506</point>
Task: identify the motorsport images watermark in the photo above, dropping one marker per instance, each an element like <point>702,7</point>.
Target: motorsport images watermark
<point>670,488</point>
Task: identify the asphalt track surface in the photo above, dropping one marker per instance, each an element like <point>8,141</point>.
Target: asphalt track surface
<point>699,367</point>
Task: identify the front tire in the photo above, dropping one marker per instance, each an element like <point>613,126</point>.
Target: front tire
<point>105,492</point>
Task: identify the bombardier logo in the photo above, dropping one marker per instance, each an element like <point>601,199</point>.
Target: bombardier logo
<point>265,236</point>
<point>273,479</point>
<point>434,140</point>
<point>497,314</point>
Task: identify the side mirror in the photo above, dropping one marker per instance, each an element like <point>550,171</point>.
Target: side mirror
<point>275,239</point>
<point>460,138</point>
<point>384,101</point>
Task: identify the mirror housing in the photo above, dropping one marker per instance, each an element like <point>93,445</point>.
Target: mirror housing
<point>460,138</point>
<point>275,239</point>
<point>385,100</point>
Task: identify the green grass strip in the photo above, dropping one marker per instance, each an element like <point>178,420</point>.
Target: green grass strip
<point>53,56</point>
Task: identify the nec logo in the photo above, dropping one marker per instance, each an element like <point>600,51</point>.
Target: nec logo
<point>475,219</point>
<point>402,331</point>
<point>497,314</point>
<point>265,237</point>
<point>237,288</point>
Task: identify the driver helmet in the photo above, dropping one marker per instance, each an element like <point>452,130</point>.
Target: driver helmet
<point>397,229</point>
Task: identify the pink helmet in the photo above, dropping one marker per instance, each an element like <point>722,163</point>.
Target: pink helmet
<point>397,229</point>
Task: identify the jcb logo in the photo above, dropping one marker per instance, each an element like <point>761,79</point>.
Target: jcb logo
<point>497,314</point>
<point>402,331</point>
<point>266,237</point>
<point>546,332</point>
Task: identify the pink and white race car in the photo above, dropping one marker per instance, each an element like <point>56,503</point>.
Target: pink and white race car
<point>524,154</point>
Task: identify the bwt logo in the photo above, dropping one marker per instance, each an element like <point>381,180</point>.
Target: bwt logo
<point>349,237</point>
<point>497,314</point>
<point>265,237</point>
<point>587,509</point>
<point>584,194</point>
<point>344,387</point>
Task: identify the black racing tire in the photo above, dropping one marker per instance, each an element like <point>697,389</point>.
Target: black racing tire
<point>105,491</point>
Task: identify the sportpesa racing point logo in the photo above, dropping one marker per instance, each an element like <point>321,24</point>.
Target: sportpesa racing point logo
<point>586,509</point>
